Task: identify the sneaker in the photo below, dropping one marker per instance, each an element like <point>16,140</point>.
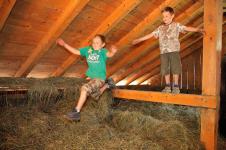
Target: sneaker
<point>110,83</point>
<point>115,103</point>
<point>176,90</point>
<point>74,115</point>
<point>167,89</point>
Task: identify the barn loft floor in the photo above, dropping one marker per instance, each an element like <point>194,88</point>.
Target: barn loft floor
<point>38,122</point>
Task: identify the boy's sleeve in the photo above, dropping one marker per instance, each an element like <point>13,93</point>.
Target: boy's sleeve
<point>156,32</point>
<point>181,27</point>
<point>84,51</point>
<point>104,53</point>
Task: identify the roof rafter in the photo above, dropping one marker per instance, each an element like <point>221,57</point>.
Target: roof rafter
<point>142,79</point>
<point>5,9</point>
<point>72,9</point>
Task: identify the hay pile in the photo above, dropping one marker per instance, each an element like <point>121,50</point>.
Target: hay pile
<point>132,125</point>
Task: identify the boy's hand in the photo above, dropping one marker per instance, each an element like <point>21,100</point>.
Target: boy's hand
<point>134,42</point>
<point>113,49</point>
<point>60,42</point>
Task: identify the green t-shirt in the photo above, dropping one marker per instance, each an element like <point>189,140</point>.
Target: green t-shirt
<point>96,60</point>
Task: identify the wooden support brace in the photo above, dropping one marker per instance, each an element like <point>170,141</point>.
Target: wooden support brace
<point>180,99</point>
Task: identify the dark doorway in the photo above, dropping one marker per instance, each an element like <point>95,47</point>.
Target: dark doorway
<point>222,121</point>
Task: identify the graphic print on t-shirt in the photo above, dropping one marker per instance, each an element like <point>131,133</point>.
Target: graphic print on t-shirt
<point>93,58</point>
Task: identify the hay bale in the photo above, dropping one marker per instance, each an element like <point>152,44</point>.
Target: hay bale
<point>103,108</point>
<point>170,135</point>
<point>134,122</point>
<point>173,135</point>
<point>43,96</point>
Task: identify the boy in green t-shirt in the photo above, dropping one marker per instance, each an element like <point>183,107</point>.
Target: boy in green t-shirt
<point>96,56</point>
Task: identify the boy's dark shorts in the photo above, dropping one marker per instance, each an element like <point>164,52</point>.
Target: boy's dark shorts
<point>93,87</point>
<point>170,63</point>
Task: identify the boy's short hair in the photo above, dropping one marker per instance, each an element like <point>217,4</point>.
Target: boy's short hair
<point>168,9</point>
<point>102,37</point>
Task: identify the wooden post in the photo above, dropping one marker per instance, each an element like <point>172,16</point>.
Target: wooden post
<point>212,46</point>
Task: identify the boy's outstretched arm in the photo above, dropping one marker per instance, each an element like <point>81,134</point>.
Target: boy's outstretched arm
<point>148,36</point>
<point>112,51</point>
<point>68,47</point>
<point>192,29</point>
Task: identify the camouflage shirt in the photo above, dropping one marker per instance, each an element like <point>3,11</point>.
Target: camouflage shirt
<point>169,37</point>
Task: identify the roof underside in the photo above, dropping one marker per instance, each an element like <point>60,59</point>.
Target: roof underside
<point>27,38</point>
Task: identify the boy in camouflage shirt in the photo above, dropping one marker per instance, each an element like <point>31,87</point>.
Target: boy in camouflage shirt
<point>168,35</point>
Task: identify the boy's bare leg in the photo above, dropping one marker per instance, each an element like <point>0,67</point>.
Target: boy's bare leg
<point>175,79</point>
<point>167,78</point>
<point>103,88</point>
<point>75,114</point>
<point>82,99</point>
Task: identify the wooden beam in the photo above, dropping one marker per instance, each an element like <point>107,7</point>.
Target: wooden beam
<point>151,74</point>
<point>157,63</point>
<point>72,9</point>
<point>106,26</point>
<point>1,2</point>
<point>180,99</point>
<point>212,46</point>
<point>149,81</point>
<point>195,10</point>
<point>209,121</point>
<point>5,9</point>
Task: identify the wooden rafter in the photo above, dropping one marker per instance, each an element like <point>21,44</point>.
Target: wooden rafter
<point>155,72</point>
<point>72,9</point>
<point>183,18</point>
<point>107,25</point>
<point>152,73</point>
<point>5,9</point>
